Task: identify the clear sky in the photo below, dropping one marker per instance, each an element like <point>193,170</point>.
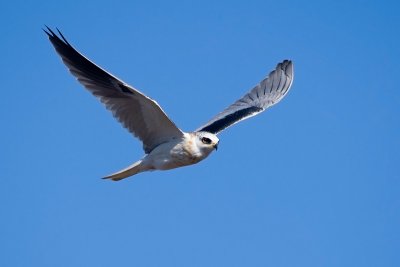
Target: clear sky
<point>314,181</point>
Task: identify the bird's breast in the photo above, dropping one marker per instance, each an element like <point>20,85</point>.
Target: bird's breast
<point>174,154</point>
<point>186,153</point>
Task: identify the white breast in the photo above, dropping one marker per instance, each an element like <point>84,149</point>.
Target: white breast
<point>174,154</point>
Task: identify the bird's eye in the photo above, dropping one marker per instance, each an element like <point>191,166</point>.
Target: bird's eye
<point>206,140</point>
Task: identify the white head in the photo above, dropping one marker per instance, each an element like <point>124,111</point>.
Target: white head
<point>206,142</point>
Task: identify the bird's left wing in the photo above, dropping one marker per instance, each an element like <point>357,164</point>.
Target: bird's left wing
<point>141,115</point>
<point>267,93</point>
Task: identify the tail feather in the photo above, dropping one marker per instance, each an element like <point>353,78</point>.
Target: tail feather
<point>129,171</point>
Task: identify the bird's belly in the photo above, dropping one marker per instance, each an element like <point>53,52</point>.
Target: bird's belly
<point>174,161</point>
<point>165,158</point>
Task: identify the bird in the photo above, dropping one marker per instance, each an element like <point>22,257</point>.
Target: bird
<point>165,145</point>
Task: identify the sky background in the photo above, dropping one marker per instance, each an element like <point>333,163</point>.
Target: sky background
<point>314,181</point>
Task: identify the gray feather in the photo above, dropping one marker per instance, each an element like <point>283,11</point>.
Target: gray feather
<point>264,95</point>
<point>141,115</point>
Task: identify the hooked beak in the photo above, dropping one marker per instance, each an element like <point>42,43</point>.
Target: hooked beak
<point>216,146</point>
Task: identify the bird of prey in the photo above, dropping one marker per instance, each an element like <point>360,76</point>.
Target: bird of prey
<point>165,145</point>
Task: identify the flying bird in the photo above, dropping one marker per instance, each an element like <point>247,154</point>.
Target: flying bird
<point>165,145</point>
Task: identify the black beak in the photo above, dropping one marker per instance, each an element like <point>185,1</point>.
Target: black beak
<point>216,146</point>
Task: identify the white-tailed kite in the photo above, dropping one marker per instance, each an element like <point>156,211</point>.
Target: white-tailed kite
<point>165,145</point>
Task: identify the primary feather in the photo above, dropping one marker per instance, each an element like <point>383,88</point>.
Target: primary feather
<point>264,95</point>
<point>141,115</point>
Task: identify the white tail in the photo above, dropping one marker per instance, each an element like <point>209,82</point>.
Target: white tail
<point>129,171</point>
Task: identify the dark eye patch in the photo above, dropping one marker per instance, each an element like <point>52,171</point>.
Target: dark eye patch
<point>206,140</point>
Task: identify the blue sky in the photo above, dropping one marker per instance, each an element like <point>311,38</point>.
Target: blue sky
<point>314,181</point>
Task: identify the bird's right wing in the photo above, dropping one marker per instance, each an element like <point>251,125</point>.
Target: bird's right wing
<point>267,93</point>
<point>141,115</point>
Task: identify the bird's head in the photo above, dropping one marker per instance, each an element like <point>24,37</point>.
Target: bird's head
<point>207,141</point>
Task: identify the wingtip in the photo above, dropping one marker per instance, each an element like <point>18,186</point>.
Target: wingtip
<point>287,62</point>
<point>62,36</point>
<point>53,36</point>
<point>111,178</point>
<point>47,30</point>
<point>286,66</point>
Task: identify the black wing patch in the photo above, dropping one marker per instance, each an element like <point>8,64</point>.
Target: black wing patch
<point>81,64</point>
<point>230,119</point>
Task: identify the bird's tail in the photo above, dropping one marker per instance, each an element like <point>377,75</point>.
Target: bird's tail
<point>129,171</point>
